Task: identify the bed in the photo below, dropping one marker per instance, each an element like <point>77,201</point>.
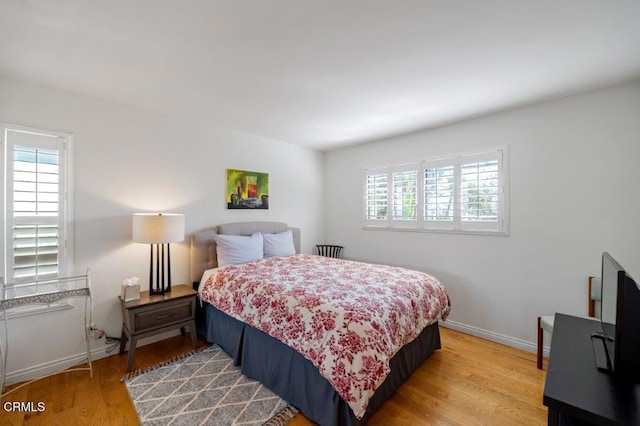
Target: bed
<point>298,371</point>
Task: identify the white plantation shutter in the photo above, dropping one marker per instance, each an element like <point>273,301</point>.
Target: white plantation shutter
<point>465,193</point>
<point>439,194</point>
<point>36,209</point>
<point>376,196</point>
<point>35,213</point>
<point>405,193</point>
<point>35,252</point>
<point>391,196</point>
<point>481,191</point>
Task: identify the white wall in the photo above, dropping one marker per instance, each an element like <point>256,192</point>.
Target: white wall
<point>575,179</point>
<point>128,160</point>
<point>574,193</point>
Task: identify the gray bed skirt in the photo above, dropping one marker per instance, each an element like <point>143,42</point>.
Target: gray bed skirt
<point>296,380</point>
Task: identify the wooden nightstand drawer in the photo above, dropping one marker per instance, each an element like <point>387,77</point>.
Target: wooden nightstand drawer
<point>152,318</point>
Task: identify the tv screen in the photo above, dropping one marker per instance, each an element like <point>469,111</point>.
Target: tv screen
<point>609,301</point>
<point>620,317</point>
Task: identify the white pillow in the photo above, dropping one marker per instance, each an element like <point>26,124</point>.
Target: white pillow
<point>279,244</point>
<point>235,249</point>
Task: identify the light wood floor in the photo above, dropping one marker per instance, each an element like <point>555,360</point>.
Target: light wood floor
<point>469,381</point>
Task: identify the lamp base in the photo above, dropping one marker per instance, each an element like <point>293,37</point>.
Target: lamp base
<point>157,286</point>
<point>161,292</point>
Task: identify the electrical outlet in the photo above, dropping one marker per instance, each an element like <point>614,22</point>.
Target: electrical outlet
<point>95,333</point>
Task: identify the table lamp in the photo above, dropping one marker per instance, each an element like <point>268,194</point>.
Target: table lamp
<point>158,230</point>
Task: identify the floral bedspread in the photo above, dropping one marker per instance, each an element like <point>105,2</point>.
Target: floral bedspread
<point>348,318</point>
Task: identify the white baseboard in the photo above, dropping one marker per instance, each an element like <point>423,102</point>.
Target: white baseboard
<point>51,367</point>
<point>494,337</point>
<point>59,365</point>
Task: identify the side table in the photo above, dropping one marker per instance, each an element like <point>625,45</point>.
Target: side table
<point>155,314</point>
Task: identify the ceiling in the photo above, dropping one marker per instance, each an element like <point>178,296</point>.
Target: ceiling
<point>322,73</point>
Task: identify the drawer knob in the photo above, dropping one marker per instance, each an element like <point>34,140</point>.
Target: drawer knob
<point>164,316</point>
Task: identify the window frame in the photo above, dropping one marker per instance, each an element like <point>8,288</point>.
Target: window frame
<point>456,225</point>
<point>65,212</point>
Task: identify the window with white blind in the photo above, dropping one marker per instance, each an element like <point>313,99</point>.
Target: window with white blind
<point>376,196</point>
<point>404,195</point>
<point>439,194</point>
<point>37,209</point>
<point>463,193</point>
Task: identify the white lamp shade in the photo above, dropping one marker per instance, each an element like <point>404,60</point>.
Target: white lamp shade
<point>158,228</point>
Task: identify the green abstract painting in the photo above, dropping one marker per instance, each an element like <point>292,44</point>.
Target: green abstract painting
<point>247,190</point>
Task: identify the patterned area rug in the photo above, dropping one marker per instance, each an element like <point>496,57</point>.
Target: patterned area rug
<point>203,388</point>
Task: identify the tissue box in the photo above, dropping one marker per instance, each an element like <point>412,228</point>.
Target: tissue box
<point>130,292</point>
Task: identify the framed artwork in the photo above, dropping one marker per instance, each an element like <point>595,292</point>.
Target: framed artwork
<point>247,190</point>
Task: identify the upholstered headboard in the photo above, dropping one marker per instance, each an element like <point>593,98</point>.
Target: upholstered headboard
<point>203,246</point>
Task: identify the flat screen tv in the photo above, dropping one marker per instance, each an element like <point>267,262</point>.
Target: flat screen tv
<point>620,317</point>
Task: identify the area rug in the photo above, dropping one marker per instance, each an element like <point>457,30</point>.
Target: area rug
<point>203,388</point>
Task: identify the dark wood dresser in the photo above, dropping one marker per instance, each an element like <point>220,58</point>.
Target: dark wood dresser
<point>575,391</point>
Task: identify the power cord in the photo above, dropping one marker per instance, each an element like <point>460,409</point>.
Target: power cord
<point>112,342</point>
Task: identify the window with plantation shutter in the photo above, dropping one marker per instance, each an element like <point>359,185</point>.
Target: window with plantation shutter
<point>391,196</point>
<point>439,194</point>
<point>376,198</point>
<point>37,208</point>
<point>405,194</point>
<point>480,191</point>
<point>463,193</point>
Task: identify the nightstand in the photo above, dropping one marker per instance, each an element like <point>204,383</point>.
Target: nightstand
<point>155,314</point>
